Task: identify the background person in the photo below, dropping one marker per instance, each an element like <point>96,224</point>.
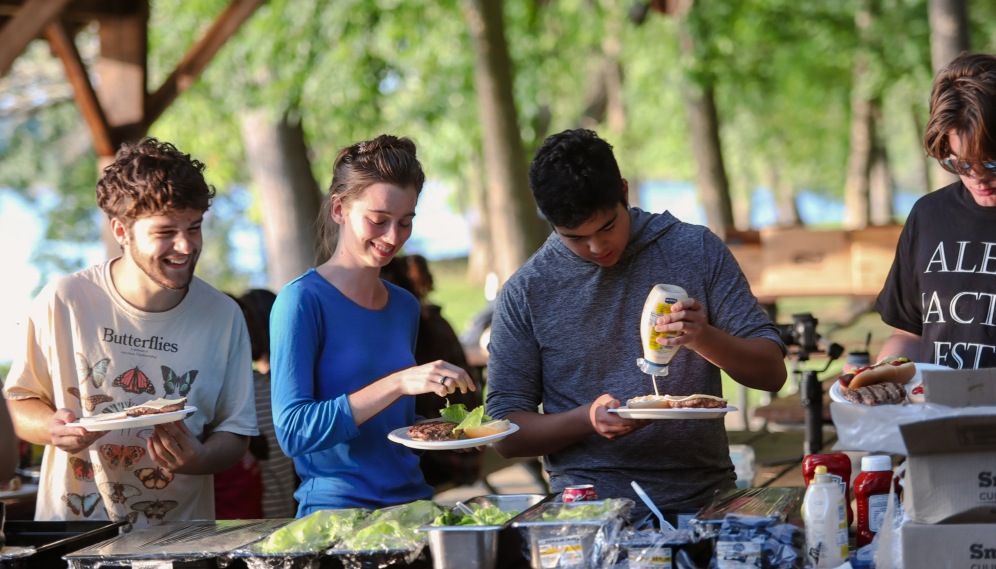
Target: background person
<point>279,479</point>
<point>342,342</point>
<point>133,329</point>
<point>436,341</point>
<point>939,295</point>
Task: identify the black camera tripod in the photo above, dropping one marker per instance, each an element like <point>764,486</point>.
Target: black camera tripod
<point>802,333</point>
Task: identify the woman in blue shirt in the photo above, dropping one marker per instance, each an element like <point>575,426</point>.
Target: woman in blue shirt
<point>342,342</point>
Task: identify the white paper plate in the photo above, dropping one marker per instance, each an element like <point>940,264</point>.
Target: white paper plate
<point>655,414</point>
<point>133,422</point>
<point>835,394</point>
<point>401,437</point>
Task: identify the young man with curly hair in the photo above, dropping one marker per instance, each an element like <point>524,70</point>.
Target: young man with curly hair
<point>134,329</point>
<point>566,336</point>
<point>939,295</point>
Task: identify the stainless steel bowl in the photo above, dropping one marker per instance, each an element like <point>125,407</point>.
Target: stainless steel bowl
<point>481,546</point>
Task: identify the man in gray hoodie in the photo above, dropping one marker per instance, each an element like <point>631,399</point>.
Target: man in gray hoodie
<point>566,336</point>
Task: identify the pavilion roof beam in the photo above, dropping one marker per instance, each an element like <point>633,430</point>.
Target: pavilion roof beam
<point>26,25</point>
<point>197,58</point>
<point>86,98</point>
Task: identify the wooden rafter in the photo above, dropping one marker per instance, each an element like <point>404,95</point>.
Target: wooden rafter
<point>197,58</point>
<point>86,98</point>
<point>25,26</point>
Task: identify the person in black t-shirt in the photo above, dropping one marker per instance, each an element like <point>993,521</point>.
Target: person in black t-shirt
<point>941,292</point>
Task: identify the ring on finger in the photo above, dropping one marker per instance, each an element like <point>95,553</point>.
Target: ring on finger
<point>442,380</point>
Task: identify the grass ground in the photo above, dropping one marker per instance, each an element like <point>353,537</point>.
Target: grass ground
<point>460,300</point>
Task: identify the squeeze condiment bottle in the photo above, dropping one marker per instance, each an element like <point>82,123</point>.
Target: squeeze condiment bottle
<point>826,525</point>
<point>871,488</point>
<point>656,357</point>
<point>839,468</point>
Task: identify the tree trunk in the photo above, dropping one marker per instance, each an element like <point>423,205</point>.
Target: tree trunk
<point>948,38</point>
<point>859,160</point>
<point>786,207</point>
<point>281,171</point>
<point>714,188</point>
<point>925,163</point>
<point>515,227</point>
<point>881,185</point>
<point>481,260</point>
<point>948,31</point>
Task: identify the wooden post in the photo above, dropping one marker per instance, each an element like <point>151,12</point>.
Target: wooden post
<point>121,92</point>
<point>26,25</point>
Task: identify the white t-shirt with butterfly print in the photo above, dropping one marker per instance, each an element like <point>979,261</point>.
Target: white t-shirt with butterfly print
<point>90,351</point>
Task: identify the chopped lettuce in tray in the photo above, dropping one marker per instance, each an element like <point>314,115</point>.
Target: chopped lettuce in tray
<point>490,516</point>
<point>391,528</point>
<point>312,533</point>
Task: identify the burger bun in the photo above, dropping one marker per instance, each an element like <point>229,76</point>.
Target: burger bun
<point>488,429</point>
<point>648,402</point>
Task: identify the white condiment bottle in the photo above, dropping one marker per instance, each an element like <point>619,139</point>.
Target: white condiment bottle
<point>826,522</point>
<point>656,357</point>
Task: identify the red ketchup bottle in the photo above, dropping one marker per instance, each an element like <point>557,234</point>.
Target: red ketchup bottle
<point>839,468</point>
<point>871,488</point>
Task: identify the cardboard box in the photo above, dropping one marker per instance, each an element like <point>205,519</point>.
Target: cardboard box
<point>960,388</point>
<point>951,471</point>
<point>961,546</point>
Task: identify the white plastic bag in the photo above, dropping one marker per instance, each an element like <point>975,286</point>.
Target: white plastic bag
<point>876,428</point>
<point>889,554</point>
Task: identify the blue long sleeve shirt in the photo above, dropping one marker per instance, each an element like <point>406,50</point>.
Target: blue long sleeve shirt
<point>323,346</point>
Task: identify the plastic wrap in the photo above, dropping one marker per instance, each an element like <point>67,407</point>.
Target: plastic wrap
<point>775,505</point>
<point>651,549</point>
<point>389,536</point>
<point>174,542</point>
<point>876,428</point>
<point>756,527</point>
<point>11,553</point>
<point>889,552</point>
<point>574,534</point>
<point>298,544</point>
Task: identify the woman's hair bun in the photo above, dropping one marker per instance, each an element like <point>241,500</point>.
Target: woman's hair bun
<point>385,142</point>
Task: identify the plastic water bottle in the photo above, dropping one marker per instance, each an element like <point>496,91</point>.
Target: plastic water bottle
<point>826,522</point>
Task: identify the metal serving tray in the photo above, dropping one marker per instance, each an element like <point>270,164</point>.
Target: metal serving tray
<point>174,541</point>
<point>486,547</point>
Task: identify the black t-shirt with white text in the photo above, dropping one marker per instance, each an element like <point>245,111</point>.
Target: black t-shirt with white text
<point>942,285</point>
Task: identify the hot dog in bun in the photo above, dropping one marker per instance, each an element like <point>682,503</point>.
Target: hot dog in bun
<point>892,370</point>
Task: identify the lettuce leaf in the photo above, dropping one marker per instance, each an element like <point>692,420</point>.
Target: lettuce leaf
<point>474,419</point>
<point>455,413</point>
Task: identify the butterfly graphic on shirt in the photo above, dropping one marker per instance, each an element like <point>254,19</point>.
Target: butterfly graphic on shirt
<point>94,373</point>
<point>155,510</point>
<point>83,470</point>
<point>154,478</point>
<point>135,381</point>
<point>130,517</point>
<point>82,504</point>
<point>125,456</point>
<point>90,402</point>
<point>118,407</point>
<point>118,493</point>
<point>180,383</point>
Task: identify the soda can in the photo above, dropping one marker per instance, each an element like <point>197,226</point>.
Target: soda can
<point>583,493</point>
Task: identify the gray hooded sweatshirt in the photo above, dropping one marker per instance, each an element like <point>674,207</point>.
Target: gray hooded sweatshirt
<point>566,330</point>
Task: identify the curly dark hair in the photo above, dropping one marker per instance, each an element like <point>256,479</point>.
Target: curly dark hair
<point>964,99</point>
<point>574,176</point>
<point>151,178</point>
<point>386,158</point>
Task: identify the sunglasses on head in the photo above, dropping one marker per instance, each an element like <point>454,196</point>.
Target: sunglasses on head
<point>962,168</point>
